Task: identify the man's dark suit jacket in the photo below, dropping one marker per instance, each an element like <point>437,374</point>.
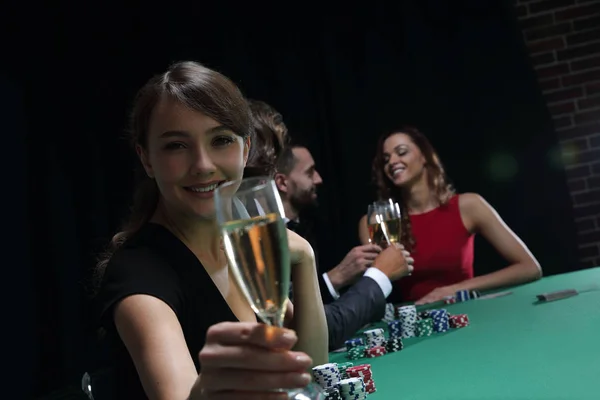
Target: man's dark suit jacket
<point>361,304</point>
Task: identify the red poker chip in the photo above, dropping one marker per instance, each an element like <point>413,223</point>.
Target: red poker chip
<point>459,321</point>
<point>370,388</point>
<point>365,377</point>
<point>376,349</point>
<point>362,367</point>
<point>359,373</point>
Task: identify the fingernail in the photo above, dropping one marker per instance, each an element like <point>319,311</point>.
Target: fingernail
<point>302,358</point>
<point>289,336</point>
<point>302,379</point>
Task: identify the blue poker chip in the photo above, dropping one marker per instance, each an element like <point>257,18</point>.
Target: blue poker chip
<point>354,342</point>
<point>463,295</point>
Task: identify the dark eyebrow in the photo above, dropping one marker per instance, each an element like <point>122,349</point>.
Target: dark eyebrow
<point>173,134</point>
<point>184,134</point>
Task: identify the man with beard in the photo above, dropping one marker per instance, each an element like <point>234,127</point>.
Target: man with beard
<point>297,180</point>
<point>364,301</point>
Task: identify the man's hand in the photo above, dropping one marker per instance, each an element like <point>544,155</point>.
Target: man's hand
<point>394,262</point>
<point>353,265</point>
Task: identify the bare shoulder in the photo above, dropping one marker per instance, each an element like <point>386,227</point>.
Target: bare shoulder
<point>474,210</point>
<point>472,202</point>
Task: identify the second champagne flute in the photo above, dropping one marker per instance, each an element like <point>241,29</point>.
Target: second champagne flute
<point>383,219</point>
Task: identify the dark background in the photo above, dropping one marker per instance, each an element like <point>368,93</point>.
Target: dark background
<point>456,69</point>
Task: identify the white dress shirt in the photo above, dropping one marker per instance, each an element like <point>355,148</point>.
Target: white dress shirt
<point>374,273</point>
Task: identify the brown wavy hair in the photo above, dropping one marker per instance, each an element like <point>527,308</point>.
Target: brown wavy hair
<point>270,139</point>
<point>438,181</point>
<point>198,88</point>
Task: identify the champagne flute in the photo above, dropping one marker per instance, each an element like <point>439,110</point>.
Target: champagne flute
<point>383,218</point>
<point>250,216</point>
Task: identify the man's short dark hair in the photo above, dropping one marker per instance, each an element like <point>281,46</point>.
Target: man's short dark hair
<point>287,160</point>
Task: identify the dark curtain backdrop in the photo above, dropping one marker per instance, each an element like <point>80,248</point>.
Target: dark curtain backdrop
<point>456,69</point>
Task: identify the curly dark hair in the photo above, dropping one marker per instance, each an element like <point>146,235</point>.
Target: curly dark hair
<point>270,139</point>
<point>438,181</point>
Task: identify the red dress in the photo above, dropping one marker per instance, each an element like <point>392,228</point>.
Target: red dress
<point>443,252</point>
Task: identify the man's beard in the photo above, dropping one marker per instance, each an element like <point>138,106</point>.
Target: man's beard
<point>304,201</point>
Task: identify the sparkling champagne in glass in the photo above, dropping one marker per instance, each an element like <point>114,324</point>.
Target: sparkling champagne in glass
<point>383,218</point>
<point>250,215</point>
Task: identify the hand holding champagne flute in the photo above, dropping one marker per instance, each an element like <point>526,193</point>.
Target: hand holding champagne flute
<point>250,215</point>
<point>383,219</point>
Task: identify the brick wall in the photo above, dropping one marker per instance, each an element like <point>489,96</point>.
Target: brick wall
<point>563,37</point>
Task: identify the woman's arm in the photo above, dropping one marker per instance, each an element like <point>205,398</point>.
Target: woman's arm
<point>152,334</point>
<point>239,359</point>
<point>479,217</point>
<point>307,312</point>
<point>363,230</point>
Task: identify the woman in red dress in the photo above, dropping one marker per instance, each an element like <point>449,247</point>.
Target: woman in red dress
<point>438,225</point>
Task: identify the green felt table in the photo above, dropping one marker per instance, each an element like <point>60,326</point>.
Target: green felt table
<point>514,349</point>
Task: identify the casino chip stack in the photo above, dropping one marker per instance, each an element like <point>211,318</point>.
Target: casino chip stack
<point>466,295</point>
<point>459,321</point>
<point>408,320</point>
<point>326,375</point>
<point>390,313</point>
<point>374,337</point>
<point>440,319</point>
<point>393,345</point>
<point>424,327</point>
<point>350,343</point>
<point>356,352</point>
<point>342,367</point>
<point>352,388</point>
<point>376,351</point>
<point>463,295</point>
<point>363,372</point>
<point>395,329</point>
<point>333,394</point>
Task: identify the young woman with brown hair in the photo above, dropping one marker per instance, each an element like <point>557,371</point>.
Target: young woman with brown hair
<point>178,325</point>
<point>438,225</point>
